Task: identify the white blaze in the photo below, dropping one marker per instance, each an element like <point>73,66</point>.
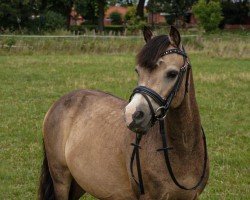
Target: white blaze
<point>130,109</point>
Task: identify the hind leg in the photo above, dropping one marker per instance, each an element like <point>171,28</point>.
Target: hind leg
<point>75,191</point>
<point>61,180</point>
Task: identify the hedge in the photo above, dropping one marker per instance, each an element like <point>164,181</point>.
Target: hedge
<point>83,28</point>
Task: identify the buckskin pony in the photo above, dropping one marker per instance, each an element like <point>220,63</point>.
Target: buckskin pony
<point>153,147</point>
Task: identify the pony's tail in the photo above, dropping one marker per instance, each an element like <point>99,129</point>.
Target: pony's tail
<point>46,188</point>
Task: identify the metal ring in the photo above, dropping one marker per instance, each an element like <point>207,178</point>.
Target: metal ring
<point>158,109</point>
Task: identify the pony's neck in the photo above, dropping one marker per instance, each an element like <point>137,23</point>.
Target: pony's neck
<point>183,123</point>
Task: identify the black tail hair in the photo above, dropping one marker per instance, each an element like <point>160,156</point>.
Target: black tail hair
<point>46,188</point>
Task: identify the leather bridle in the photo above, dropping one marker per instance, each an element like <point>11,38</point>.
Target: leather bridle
<point>158,115</point>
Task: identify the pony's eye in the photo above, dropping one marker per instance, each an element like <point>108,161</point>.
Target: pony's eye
<point>137,71</point>
<point>172,74</point>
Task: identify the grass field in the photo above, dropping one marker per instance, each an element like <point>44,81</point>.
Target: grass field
<point>29,84</point>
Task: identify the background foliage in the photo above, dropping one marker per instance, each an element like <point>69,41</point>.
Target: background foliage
<point>208,14</point>
<point>38,16</point>
<point>88,9</point>
<point>174,9</point>
<point>54,21</point>
<point>235,13</point>
<point>116,18</point>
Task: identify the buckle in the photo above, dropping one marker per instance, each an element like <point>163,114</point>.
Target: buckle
<point>136,145</point>
<point>165,149</point>
<point>162,114</point>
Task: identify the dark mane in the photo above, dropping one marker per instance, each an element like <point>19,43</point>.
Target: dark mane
<point>152,51</point>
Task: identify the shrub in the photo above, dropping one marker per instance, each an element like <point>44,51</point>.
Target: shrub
<point>170,19</point>
<point>10,42</point>
<point>116,18</point>
<point>134,23</point>
<point>235,12</point>
<point>208,14</point>
<point>33,25</point>
<point>131,14</point>
<point>53,21</point>
<point>82,29</point>
<point>107,29</point>
<point>115,29</point>
<point>136,27</point>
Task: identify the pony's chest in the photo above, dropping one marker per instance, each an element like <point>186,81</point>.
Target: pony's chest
<point>169,193</point>
<point>160,186</point>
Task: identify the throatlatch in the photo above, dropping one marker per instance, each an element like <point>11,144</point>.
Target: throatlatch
<point>159,115</point>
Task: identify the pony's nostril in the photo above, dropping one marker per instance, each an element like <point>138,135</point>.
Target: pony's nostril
<point>138,115</point>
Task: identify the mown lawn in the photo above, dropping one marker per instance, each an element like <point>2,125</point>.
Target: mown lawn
<point>30,84</point>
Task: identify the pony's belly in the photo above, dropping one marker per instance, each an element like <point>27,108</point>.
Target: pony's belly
<point>96,161</point>
<point>99,180</point>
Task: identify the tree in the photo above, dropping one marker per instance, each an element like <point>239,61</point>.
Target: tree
<point>174,8</point>
<point>235,12</point>
<point>88,9</point>
<point>25,13</point>
<point>101,6</point>
<point>53,21</point>
<point>122,2</point>
<point>60,6</point>
<point>92,11</point>
<point>15,14</point>
<point>208,14</point>
<point>140,9</point>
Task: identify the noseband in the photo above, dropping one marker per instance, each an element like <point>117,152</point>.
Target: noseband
<point>158,115</point>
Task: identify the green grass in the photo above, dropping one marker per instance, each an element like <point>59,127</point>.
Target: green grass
<point>29,84</point>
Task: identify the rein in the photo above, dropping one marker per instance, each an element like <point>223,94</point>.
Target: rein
<point>159,115</point>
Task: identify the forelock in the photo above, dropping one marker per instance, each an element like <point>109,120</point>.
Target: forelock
<point>152,51</point>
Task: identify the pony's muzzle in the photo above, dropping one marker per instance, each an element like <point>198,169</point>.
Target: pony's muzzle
<point>137,123</point>
<point>137,115</point>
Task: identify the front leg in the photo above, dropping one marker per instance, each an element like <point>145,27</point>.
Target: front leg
<point>167,197</point>
<point>196,197</point>
<point>144,197</point>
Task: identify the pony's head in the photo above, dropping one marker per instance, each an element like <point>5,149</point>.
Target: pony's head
<point>157,72</point>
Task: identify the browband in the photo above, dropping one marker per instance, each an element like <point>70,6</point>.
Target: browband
<point>177,51</point>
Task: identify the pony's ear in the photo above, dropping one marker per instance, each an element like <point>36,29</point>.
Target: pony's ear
<point>147,33</point>
<point>174,36</point>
